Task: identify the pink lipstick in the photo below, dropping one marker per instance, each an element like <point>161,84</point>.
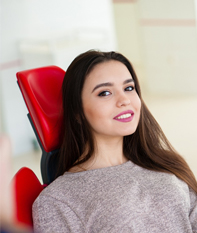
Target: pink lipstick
<point>125,116</point>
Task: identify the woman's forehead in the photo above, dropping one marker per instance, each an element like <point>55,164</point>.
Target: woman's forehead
<point>108,71</point>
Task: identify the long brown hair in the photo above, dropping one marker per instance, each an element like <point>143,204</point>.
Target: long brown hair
<point>148,147</point>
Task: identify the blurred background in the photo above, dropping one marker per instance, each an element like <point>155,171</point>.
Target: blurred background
<point>159,37</point>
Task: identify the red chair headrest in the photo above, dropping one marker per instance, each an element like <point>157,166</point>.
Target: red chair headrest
<point>41,89</point>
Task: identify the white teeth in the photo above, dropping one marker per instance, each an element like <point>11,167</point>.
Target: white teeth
<point>124,116</point>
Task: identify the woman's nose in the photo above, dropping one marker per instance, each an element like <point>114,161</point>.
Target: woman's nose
<point>123,100</point>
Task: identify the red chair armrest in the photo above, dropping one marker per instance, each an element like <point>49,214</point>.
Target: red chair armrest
<point>27,187</point>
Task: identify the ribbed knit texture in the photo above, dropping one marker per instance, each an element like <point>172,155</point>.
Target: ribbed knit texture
<point>123,198</point>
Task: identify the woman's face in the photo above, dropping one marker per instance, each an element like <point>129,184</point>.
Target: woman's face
<point>111,104</point>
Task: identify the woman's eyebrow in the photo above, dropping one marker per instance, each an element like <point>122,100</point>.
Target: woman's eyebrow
<point>128,81</point>
<point>102,85</point>
<point>108,84</point>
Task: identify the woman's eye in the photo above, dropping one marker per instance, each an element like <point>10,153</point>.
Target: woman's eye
<point>104,93</point>
<point>130,88</point>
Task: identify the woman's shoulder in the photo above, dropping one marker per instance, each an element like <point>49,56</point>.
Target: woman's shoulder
<point>157,180</point>
<point>58,188</point>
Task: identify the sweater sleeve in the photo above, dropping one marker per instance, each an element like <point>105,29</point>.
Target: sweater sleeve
<point>52,215</point>
<point>193,210</point>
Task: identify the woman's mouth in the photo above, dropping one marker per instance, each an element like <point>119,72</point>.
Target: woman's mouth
<point>125,116</point>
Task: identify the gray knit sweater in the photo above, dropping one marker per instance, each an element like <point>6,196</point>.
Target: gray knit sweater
<point>123,198</point>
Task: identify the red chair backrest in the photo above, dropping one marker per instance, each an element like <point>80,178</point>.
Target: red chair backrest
<point>27,187</point>
<point>41,90</point>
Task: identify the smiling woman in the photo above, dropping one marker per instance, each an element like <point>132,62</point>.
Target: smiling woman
<point>117,170</point>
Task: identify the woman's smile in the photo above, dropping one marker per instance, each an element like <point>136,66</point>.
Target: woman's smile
<point>125,116</point>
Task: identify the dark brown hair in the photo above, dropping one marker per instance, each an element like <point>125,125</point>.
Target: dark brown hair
<point>147,147</point>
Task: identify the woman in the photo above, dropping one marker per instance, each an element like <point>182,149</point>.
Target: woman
<point>117,171</point>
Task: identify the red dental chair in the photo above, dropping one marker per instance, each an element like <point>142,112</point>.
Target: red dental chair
<point>41,90</point>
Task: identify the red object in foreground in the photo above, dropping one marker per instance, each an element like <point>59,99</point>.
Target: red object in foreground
<point>27,187</point>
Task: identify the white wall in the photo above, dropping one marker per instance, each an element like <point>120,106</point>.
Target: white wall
<point>33,23</point>
<point>160,38</point>
<point>170,46</point>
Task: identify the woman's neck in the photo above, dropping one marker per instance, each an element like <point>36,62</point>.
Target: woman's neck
<point>108,152</point>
